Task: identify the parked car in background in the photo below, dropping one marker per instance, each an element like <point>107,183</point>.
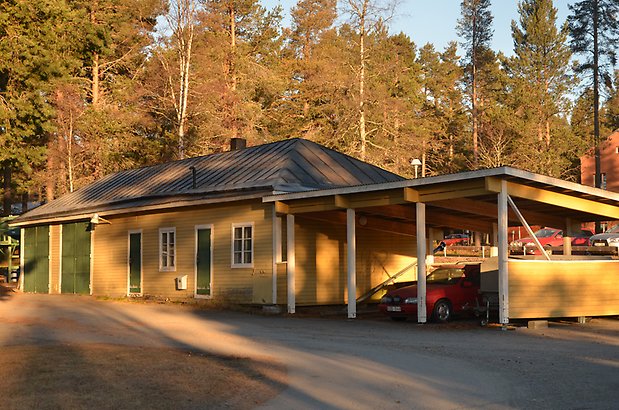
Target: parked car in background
<point>450,290</point>
<point>456,239</point>
<point>527,246</point>
<point>548,237</point>
<point>608,238</point>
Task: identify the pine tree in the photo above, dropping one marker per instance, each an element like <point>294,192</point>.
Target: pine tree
<point>475,27</point>
<point>594,30</point>
<point>539,87</point>
<point>36,45</point>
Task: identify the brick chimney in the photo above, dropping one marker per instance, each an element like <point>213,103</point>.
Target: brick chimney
<point>237,144</point>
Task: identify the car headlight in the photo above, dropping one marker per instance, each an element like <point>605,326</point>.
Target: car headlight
<point>516,243</point>
<point>410,301</point>
<point>530,244</point>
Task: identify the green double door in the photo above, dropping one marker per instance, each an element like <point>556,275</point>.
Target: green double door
<point>135,262</point>
<point>203,262</point>
<point>76,258</point>
<point>36,259</point>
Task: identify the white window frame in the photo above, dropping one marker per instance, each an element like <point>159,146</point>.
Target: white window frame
<point>173,267</point>
<point>243,250</point>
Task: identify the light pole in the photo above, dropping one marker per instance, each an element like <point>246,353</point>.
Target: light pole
<point>416,163</point>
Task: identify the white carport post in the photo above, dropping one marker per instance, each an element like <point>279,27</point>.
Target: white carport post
<point>421,262</point>
<point>351,241</point>
<point>503,254</point>
<point>290,263</point>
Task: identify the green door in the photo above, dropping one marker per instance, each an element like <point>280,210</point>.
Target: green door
<point>75,258</point>
<point>203,262</point>
<point>135,263</point>
<point>36,259</point>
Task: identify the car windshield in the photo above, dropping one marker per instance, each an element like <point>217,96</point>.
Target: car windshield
<point>545,233</point>
<point>614,229</point>
<point>445,276</point>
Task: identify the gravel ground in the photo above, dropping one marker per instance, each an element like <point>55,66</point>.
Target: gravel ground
<point>334,363</point>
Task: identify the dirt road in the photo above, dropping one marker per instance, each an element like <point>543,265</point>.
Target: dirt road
<point>338,364</point>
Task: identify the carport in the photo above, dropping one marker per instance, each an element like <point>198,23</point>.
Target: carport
<point>486,201</point>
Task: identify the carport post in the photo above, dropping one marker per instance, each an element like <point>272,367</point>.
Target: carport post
<point>290,263</point>
<point>351,263</point>
<point>503,273</point>
<point>421,262</point>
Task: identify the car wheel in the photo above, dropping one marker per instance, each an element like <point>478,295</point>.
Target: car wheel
<point>442,311</point>
<point>398,318</point>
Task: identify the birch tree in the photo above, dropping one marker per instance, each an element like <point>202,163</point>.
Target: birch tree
<point>366,17</point>
<point>181,21</point>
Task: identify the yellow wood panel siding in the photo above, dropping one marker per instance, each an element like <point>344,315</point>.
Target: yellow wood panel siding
<point>54,240</point>
<point>231,284</point>
<point>540,289</point>
<point>321,273</point>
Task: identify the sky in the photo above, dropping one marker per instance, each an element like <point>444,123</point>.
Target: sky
<point>434,21</point>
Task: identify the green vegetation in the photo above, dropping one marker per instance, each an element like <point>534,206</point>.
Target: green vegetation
<point>92,87</point>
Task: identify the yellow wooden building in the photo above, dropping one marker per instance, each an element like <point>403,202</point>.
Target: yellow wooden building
<point>293,223</point>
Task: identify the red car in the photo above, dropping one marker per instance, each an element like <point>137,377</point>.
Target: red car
<point>547,237</point>
<point>450,289</point>
<point>456,239</point>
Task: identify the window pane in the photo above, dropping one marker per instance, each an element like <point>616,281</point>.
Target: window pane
<point>237,245</point>
<point>247,257</point>
<point>247,245</point>
<point>238,233</point>
<point>171,238</point>
<point>171,260</point>
<point>237,257</point>
<point>248,232</point>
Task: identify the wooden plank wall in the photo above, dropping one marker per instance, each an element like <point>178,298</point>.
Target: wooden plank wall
<point>321,261</point>
<point>542,289</point>
<point>54,255</point>
<point>236,285</point>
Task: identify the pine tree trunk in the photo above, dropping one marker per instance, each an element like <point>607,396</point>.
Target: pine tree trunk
<point>95,91</point>
<point>6,197</point>
<point>50,191</point>
<point>70,153</point>
<point>362,130</point>
<point>474,97</point>
<point>232,70</point>
<point>596,103</point>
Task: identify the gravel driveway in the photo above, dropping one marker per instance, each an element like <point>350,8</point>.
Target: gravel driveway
<point>369,363</point>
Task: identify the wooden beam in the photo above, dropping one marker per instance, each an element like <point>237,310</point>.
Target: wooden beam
<point>462,193</point>
<point>439,218</point>
<point>452,190</point>
<point>393,211</point>
<point>371,222</point>
<point>379,198</point>
<point>411,195</point>
<point>342,201</point>
<point>281,208</point>
<point>318,204</point>
<point>555,198</point>
<point>490,210</point>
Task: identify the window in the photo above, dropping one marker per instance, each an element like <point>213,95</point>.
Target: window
<point>603,180</point>
<point>243,245</point>
<point>167,249</point>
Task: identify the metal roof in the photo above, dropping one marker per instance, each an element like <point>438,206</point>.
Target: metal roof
<point>291,165</point>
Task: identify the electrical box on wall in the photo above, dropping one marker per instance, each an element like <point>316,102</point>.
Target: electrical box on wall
<point>181,282</point>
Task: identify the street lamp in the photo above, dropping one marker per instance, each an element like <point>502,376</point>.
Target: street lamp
<point>416,163</point>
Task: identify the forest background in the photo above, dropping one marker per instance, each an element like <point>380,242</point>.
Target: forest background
<point>92,87</point>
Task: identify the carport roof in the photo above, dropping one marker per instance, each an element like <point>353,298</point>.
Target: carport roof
<point>466,200</point>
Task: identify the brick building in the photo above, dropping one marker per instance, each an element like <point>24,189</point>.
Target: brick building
<point>609,165</point>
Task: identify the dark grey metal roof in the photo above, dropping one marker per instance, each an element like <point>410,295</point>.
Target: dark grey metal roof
<point>290,165</point>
